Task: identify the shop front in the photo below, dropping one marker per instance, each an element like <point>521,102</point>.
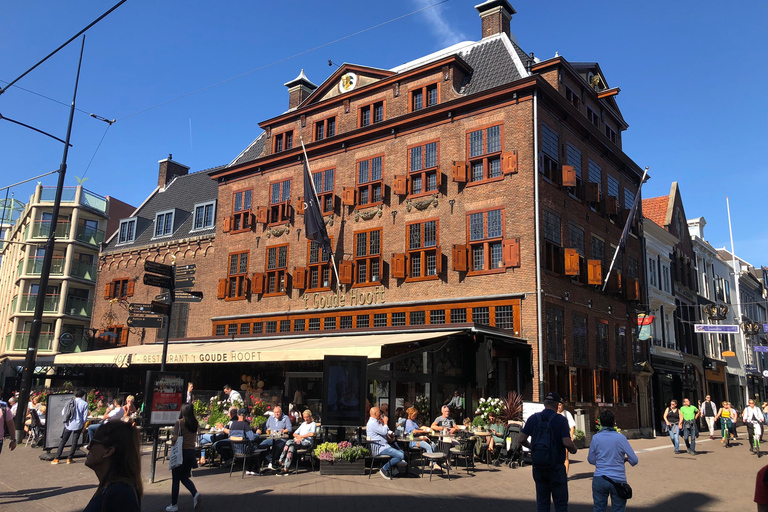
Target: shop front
<point>668,380</point>
<point>714,374</point>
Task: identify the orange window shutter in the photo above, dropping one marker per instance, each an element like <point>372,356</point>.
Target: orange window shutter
<point>262,214</point>
<point>299,278</point>
<point>345,272</point>
<point>108,290</point>
<point>348,196</point>
<point>592,192</point>
<point>257,283</point>
<point>400,186</point>
<point>459,257</point>
<point>222,289</point>
<point>571,262</point>
<point>398,266</point>
<point>509,161</point>
<point>569,176</point>
<point>614,283</point>
<point>124,337</point>
<point>246,287</point>
<point>227,227</point>
<point>439,260</point>
<point>594,272</point>
<point>611,205</point>
<point>459,172</point>
<point>129,288</point>
<point>510,251</point>
<point>300,205</point>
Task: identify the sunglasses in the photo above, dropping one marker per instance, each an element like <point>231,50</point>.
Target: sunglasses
<point>94,441</point>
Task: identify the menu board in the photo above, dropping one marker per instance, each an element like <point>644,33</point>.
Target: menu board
<point>164,395</point>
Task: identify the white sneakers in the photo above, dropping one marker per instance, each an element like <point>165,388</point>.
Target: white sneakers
<point>172,508</point>
<point>269,466</point>
<point>197,500</point>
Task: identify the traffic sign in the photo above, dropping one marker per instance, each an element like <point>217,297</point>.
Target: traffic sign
<point>161,308</point>
<point>761,348</point>
<point>716,329</point>
<point>149,322</point>
<point>159,281</point>
<point>158,268</point>
<point>190,296</point>
<point>184,282</point>
<point>139,309</point>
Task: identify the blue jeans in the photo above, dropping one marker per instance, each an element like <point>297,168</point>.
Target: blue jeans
<point>396,455</point>
<point>601,488</point>
<point>422,444</point>
<point>674,435</point>
<point>551,483</point>
<point>689,432</point>
<point>91,430</point>
<point>277,445</point>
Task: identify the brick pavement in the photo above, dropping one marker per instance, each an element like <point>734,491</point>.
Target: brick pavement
<point>717,479</point>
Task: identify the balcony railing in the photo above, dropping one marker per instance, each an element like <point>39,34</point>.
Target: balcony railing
<point>35,266</point>
<point>88,235</point>
<point>42,229</point>
<point>14,301</point>
<point>48,194</point>
<point>83,270</point>
<point>28,301</point>
<point>21,340</point>
<point>78,307</point>
<point>93,201</point>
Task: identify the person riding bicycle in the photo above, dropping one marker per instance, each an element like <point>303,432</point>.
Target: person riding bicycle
<point>752,415</point>
<point>724,415</point>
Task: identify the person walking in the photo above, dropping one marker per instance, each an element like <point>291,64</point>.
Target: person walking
<point>571,425</point>
<point>550,437</point>
<point>672,421</point>
<point>690,414</point>
<point>607,453</point>
<point>709,410</point>
<point>186,428</point>
<point>74,427</point>
<point>752,414</point>
<point>114,454</point>
<point>6,424</point>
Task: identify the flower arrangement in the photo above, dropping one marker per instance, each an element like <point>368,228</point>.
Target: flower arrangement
<point>422,404</point>
<point>344,450</point>
<point>490,405</point>
<point>93,399</point>
<point>578,435</point>
<point>42,396</point>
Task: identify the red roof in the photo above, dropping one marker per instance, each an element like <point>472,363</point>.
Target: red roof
<point>655,209</point>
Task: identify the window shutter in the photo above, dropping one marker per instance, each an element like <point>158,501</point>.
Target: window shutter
<point>288,210</point>
<point>459,257</point>
<point>510,251</point>
<point>257,283</point>
<point>300,206</point>
<point>247,287</point>
<point>614,283</point>
<point>438,260</point>
<point>611,205</point>
<point>569,176</point>
<point>571,257</point>
<point>631,288</point>
<point>346,271</point>
<point>398,266</point>
<point>227,227</point>
<point>124,337</point>
<point>348,196</point>
<point>459,172</point>
<point>108,290</point>
<point>222,291</point>
<point>299,278</point>
<point>262,214</point>
<point>400,186</point>
<point>129,289</point>
<point>595,272</point>
<point>509,162</point>
<point>592,192</point>
<point>439,177</point>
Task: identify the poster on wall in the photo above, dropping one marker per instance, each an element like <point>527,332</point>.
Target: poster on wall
<point>164,396</point>
<point>344,382</point>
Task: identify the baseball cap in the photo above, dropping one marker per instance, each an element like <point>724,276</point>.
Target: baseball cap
<point>242,412</point>
<point>553,397</point>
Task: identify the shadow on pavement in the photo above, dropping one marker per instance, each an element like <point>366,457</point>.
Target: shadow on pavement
<point>39,494</point>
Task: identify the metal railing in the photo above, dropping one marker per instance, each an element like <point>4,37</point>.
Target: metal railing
<point>42,229</point>
<point>35,266</point>
<point>28,301</point>
<point>76,306</point>
<point>48,194</point>
<point>83,270</point>
<point>88,235</point>
<point>21,339</point>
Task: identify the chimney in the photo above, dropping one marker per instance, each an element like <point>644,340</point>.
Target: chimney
<point>496,16</point>
<point>169,170</point>
<point>696,227</point>
<point>299,89</point>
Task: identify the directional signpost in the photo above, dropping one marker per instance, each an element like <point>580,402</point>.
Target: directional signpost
<point>761,348</point>
<point>716,329</point>
<point>159,281</point>
<point>190,296</point>
<point>148,322</point>
<point>185,276</point>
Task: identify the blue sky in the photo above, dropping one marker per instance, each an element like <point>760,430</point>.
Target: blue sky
<point>692,75</point>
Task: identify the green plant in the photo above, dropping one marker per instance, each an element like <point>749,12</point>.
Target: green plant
<point>512,409</point>
<point>217,416</point>
<point>259,421</point>
<point>201,409</point>
<point>488,406</point>
<point>340,451</point>
<point>479,421</point>
<point>579,435</point>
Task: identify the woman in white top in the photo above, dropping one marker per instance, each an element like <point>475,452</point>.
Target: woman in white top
<point>301,436</point>
<point>571,426</point>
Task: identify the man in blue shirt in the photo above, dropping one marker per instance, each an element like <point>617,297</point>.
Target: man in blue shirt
<point>74,427</point>
<point>277,424</point>
<point>606,452</point>
<point>378,441</point>
<point>551,481</point>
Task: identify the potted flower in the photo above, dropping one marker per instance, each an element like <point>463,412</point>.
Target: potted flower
<point>578,438</point>
<point>342,458</point>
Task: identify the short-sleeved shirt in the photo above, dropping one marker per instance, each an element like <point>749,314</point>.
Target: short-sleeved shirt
<point>410,426</point>
<point>117,497</point>
<point>688,412</point>
<point>559,426</point>
<point>444,422</point>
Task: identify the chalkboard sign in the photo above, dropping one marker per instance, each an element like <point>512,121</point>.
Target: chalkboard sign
<point>54,421</point>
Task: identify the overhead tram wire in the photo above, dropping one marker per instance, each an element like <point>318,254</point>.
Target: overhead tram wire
<point>285,59</point>
<point>109,125</point>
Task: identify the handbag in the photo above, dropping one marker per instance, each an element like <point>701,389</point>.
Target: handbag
<point>622,488</point>
<point>176,457</point>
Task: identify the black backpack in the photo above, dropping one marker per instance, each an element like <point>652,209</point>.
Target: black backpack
<point>543,449</point>
<point>69,411</point>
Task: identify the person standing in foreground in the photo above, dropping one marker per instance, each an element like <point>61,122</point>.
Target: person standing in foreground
<point>689,415</point>
<point>73,427</point>
<point>186,427</point>
<point>709,410</point>
<point>606,452</point>
<point>114,455</point>
<point>561,410</point>
<point>6,422</point>
<point>672,420</point>
<point>550,436</point>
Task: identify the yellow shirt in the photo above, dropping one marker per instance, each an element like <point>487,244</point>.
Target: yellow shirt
<point>726,413</point>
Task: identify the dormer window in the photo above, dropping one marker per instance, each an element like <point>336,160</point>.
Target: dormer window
<point>127,232</point>
<point>204,215</point>
<point>424,97</point>
<point>284,141</point>
<point>164,223</point>
<point>373,113</point>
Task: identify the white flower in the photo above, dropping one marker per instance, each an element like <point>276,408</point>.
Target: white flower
<point>482,400</point>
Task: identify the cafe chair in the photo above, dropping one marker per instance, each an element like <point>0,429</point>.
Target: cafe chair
<point>35,429</point>
<point>465,450</point>
<point>243,450</point>
<point>436,458</point>
<point>381,459</point>
<point>306,453</point>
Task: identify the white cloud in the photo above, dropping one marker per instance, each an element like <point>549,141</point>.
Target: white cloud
<point>446,35</point>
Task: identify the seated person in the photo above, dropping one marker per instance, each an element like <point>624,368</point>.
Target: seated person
<point>129,409</point>
<point>384,413</point>
<point>302,436</point>
<point>114,413</point>
<point>278,423</point>
<point>238,427</point>
<point>32,404</point>
<point>219,433</point>
<point>420,439</point>
<point>379,437</point>
<point>496,428</point>
<point>444,424</point>
<point>41,413</point>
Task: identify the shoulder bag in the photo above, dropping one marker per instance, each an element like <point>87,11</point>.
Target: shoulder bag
<point>176,457</point>
<point>622,488</point>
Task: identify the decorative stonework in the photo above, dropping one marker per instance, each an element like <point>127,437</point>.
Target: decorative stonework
<point>421,204</point>
<point>368,214</point>
<point>276,232</point>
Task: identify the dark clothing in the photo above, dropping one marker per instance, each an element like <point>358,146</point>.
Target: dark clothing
<point>182,474</point>
<point>116,497</point>
<point>673,416</point>
<point>709,408</point>
<point>554,483</point>
<point>64,438</point>
<point>557,423</point>
<point>242,426</point>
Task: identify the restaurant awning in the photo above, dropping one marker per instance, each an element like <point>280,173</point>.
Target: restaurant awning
<point>250,351</point>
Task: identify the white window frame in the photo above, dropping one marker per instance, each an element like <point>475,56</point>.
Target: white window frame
<point>172,213</point>
<point>194,216</point>
<point>132,220</point>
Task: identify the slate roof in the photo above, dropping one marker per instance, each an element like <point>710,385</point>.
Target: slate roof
<point>252,152</point>
<point>181,195</point>
<point>655,209</point>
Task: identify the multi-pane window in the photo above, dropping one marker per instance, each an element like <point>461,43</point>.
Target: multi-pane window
<point>277,264</point>
<point>555,344</point>
<point>598,250</point>
<point>258,327</point>
<point>380,320</point>
<point>241,209</point>
<point>553,254</point>
<point>319,271</point>
<point>270,326</point>
<point>298,325</point>
<point>314,324</point>
<point>119,289</point>
<point>629,198</point>
<point>422,249</point>
<point>580,355</point>
<point>481,316</point>
<point>423,168</point>
<point>574,160</point>
<point>345,322</point>
<point>551,227</point>
<point>621,347</point>
<point>325,128</point>
<point>283,141</point>
<point>576,236</point>
<point>362,321</point>
<point>329,323</point>
<point>417,318</point>
<point>245,328</point>
<point>371,114</point>
<point>369,185</point>
<point>572,97</point>
<point>485,239</point>
<point>610,133</point>
<point>204,215</point>
<point>368,256</point>
<point>596,176</point>
<point>231,329</point>
<point>550,164</point>
<point>398,318</point>
<point>236,275</point>
<point>279,201</point>
<point>613,187</point>
<point>484,154</point>
<point>632,268</point>
<point>127,231</point>
<point>437,316</point>
<point>221,329</point>
<point>593,117</point>
<point>323,181</point>
<point>458,316</point>
<point>424,97</point>
<point>164,223</point>
<point>601,343</point>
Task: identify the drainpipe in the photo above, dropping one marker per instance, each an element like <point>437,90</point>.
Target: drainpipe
<point>539,316</point>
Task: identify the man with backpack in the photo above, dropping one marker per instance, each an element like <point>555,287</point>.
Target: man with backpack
<point>75,413</point>
<point>550,436</point>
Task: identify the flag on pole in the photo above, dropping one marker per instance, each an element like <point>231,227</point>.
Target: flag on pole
<point>314,224</point>
<point>632,212</point>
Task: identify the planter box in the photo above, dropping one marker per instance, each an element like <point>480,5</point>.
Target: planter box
<point>579,443</point>
<point>342,467</point>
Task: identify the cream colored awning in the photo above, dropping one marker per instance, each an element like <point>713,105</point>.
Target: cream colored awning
<point>252,351</point>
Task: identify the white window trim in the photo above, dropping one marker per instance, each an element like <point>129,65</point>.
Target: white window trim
<point>154,226</point>
<point>194,216</point>
<point>120,228</point>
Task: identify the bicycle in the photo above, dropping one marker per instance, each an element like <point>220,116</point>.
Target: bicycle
<point>726,434</point>
<point>756,433</point>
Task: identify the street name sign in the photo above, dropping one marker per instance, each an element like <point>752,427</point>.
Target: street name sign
<point>158,268</point>
<point>165,297</point>
<point>190,296</point>
<point>149,322</point>
<point>161,308</point>
<point>761,348</point>
<point>159,281</point>
<point>184,282</point>
<point>142,309</point>
<point>716,329</point>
